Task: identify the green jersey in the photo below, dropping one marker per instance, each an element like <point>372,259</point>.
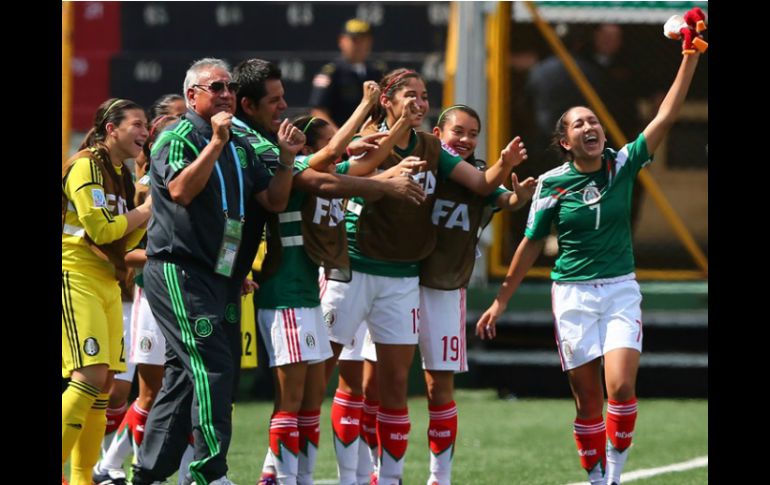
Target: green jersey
<point>295,283</point>
<point>363,264</point>
<point>592,214</point>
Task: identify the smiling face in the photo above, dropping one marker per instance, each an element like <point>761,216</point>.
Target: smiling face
<point>125,140</point>
<point>460,132</point>
<point>207,102</point>
<point>269,110</point>
<point>413,88</point>
<point>584,135</point>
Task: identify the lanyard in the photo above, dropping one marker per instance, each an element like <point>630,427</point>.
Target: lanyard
<point>222,182</point>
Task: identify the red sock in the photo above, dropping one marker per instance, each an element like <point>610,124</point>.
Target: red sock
<point>346,416</point>
<point>589,437</point>
<point>393,432</point>
<point>442,428</point>
<point>115,418</point>
<point>283,430</point>
<point>621,417</point>
<point>309,425</point>
<point>136,418</point>
<point>369,423</point>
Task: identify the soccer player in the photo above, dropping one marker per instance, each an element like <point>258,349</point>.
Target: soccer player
<point>459,216</point>
<point>596,299</point>
<point>386,241</point>
<point>146,351</point>
<point>99,222</point>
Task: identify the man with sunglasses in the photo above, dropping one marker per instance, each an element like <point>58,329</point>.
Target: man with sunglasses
<point>208,186</point>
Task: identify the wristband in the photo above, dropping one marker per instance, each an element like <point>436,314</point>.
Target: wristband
<point>284,165</point>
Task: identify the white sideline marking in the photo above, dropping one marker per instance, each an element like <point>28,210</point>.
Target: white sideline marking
<point>326,481</point>
<point>701,461</point>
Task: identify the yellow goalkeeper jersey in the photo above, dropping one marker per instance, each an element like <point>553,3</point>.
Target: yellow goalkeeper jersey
<point>90,210</point>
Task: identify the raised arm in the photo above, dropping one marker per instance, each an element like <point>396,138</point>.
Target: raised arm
<point>336,146</point>
<point>330,185</point>
<point>522,193</point>
<point>483,183</point>
<point>672,103</point>
<point>522,261</point>
<point>373,158</point>
<point>191,181</point>
<point>290,141</point>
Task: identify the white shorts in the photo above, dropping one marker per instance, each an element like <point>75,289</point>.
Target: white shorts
<point>294,335</point>
<point>442,329</point>
<point>390,306</point>
<point>126,344</point>
<point>353,351</point>
<point>149,344</point>
<point>592,319</point>
<point>368,349</point>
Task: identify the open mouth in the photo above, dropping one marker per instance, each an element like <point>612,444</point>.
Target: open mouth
<point>591,140</point>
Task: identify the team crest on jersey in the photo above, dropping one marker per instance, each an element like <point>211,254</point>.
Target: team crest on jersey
<point>91,346</point>
<point>449,149</point>
<point>329,318</point>
<point>591,195</point>
<point>231,313</point>
<point>203,327</point>
<point>98,197</point>
<point>310,340</point>
<point>145,344</point>
<point>243,159</point>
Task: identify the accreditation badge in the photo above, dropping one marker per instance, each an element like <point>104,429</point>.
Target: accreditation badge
<point>231,242</point>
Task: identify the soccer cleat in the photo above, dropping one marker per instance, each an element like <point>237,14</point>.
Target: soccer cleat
<point>267,479</point>
<point>110,477</point>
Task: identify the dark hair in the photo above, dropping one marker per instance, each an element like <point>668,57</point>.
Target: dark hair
<point>111,111</point>
<point>251,75</point>
<point>162,106</point>
<point>156,126</point>
<point>389,85</point>
<point>311,127</point>
<point>560,133</point>
<point>458,107</point>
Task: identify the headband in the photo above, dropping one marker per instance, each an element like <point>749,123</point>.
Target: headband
<point>396,79</point>
<point>304,130</point>
<point>455,106</point>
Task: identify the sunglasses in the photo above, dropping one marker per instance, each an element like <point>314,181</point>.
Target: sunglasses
<point>218,86</point>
